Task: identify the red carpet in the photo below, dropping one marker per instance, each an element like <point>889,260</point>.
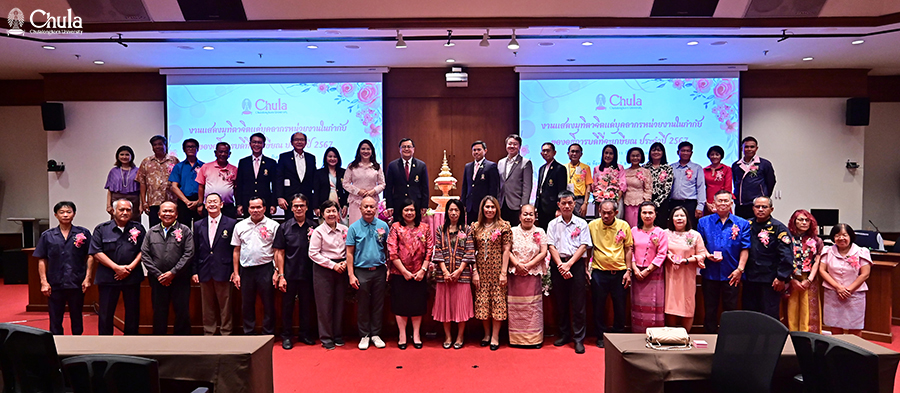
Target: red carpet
<point>432,368</point>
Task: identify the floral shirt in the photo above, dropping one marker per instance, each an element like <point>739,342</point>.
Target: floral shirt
<point>805,251</point>
<point>609,183</point>
<point>412,246</point>
<point>663,176</point>
<point>154,175</point>
<point>526,245</point>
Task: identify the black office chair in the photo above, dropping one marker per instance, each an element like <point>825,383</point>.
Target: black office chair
<point>113,374</point>
<point>832,365</point>
<point>747,350</point>
<point>29,360</point>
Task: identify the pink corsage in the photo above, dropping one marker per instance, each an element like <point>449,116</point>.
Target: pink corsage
<point>177,234</point>
<point>689,240</point>
<point>620,236</point>
<point>343,235</point>
<point>764,237</point>
<point>853,261</point>
<point>735,231</point>
<point>495,234</point>
<point>309,233</point>
<point>654,239</point>
<point>662,176</point>
<point>380,232</point>
<point>79,240</point>
<point>689,173</point>
<point>461,235</point>
<point>576,232</point>
<point>640,176</point>
<point>537,237</point>
<point>811,243</point>
<point>134,232</point>
<point>264,232</point>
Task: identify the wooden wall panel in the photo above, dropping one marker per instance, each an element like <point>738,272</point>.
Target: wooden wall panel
<point>884,88</point>
<point>22,92</point>
<point>804,83</point>
<point>430,82</point>
<point>126,86</point>
<point>486,119</point>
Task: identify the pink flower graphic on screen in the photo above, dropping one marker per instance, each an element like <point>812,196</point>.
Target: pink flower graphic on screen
<point>374,130</point>
<point>524,150</point>
<point>729,126</point>
<point>678,83</point>
<point>347,89</point>
<point>725,91</point>
<point>702,85</point>
<point>322,88</point>
<point>368,94</point>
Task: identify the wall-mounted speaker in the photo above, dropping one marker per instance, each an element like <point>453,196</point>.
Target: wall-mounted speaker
<point>53,116</point>
<point>858,111</point>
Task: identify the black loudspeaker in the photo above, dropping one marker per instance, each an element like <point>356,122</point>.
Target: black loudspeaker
<point>53,116</point>
<point>858,111</point>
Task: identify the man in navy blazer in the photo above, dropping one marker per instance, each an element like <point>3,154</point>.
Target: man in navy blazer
<point>295,175</point>
<point>213,266</point>
<point>255,176</point>
<point>399,185</point>
<point>551,181</point>
<point>480,179</point>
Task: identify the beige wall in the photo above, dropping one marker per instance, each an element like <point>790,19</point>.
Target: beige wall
<point>23,166</point>
<point>881,202</point>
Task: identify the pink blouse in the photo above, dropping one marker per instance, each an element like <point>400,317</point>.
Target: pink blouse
<point>638,186</point>
<point>608,183</point>
<point>526,245</point>
<point>845,270</point>
<point>685,244</point>
<point>412,246</point>
<point>363,177</point>
<point>327,244</point>
<point>649,247</point>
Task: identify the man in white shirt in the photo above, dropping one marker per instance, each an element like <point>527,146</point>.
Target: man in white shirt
<point>254,265</point>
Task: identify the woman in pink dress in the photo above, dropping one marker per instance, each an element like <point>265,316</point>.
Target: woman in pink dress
<point>638,185</point>
<point>648,287</point>
<point>845,267</point>
<point>363,178</point>
<point>717,177</point>
<point>686,254</point>
<point>528,262</point>
<point>454,255</point>
<point>609,177</point>
<point>409,251</point>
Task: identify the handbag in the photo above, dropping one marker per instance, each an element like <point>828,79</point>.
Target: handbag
<point>668,338</point>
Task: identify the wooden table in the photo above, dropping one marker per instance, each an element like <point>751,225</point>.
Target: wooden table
<point>631,367</point>
<point>237,364</point>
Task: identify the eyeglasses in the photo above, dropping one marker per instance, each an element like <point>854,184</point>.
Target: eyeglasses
<point>802,219</point>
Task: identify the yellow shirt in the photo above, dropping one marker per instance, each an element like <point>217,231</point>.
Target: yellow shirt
<point>610,243</point>
<point>579,177</point>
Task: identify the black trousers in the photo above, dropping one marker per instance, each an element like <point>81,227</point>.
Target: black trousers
<point>604,284</point>
<point>187,216</point>
<point>689,204</point>
<point>570,293</point>
<point>509,215</point>
<point>302,291</point>
<point>109,298</point>
<point>57,305</point>
<point>744,211</point>
<point>257,281</point>
<point>662,215</point>
<point>760,297</point>
<point>230,210</point>
<point>545,216</point>
<point>713,291</point>
<point>178,295</point>
<point>153,214</point>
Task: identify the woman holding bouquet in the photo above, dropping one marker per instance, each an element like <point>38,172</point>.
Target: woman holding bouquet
<point>609,177</point>
<point>493,238</point>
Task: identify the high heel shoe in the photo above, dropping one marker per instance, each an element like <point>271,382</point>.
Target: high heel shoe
<point>485,343</point>
<point>417,345</point>
<point>447,345</point>
<point>457,345</point>
<point>402,346</point>
<point>495,347</point>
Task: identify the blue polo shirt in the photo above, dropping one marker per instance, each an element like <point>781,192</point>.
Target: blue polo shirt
<point>66,258</point>
<point>717,236</point>
<point>186,176</point>
<point>369,243</point>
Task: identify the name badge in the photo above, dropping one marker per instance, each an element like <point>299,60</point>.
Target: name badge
<point>570,187</point>
<point>287,182</point>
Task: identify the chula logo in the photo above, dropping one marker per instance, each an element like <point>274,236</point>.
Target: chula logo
<point>16,20</point>
<point>46,23</point>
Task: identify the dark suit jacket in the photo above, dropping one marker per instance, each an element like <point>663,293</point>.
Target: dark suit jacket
<point>548,190</point>
<point>397,188</point>
<point>214,261</point>
<point>287,171</point>
<point>250,185</point>
<point>322,187</point>
<point>487,182</point>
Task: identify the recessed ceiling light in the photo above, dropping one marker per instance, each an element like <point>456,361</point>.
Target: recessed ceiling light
<point>451,60</point>
<point>808,58</point>
<point>207,47</point>
<point>546,44</point>
<point>329,61</point>
<point>49,47</point>
<point>692,43</point>
<point>354,47</point>
<point>332,32</point>
<point>717,43</point>
<point>99,62</point>
<point>449,44</point>
<point>185,47</point>
<point>312,47</point>
<point>570,59</point>
<point>560,31</point>
<point>587,43</point>
<point>857,42</point>
<point>663,59</point>
<point>239,62</point>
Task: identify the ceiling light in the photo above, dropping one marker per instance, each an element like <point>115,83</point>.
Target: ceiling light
<point>692,43</point>
<point>857,42</point>
<point>329,61</point>
<point>312,47</point>
<point>451,60</point>
<point>99,62</point>
<point>239,62</point>
<point>717,43</point>
<point>587,43</point>
<point>663,59</point>
<point>49,47</point>
<point>400,43</point>
<point>513,44</point>
<point>185,47</point>
<point>570,59</point>
<point>449,43</point>
<point>808,58</point>
<point>207,47</point>
<point>354,47</point>
<point>484,39</point>
<point>545,44</point>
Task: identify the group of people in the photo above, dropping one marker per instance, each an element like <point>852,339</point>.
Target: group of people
<point>492,239</point>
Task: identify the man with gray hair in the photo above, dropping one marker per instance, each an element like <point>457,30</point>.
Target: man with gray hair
<point>116,245</point>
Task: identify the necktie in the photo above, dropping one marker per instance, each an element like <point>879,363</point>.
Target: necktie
<point>475,171</point>
<point>256,166</point>
<point>212,230</point>
<point>406,167</point>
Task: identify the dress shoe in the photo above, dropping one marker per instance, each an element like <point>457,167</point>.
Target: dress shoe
<point>328,346</point>
<point>457,345</point>
<point>306,341</point>
<point>579,348</point>
<point>495,347</point>
<point>538,346</point>
<point>599,343</point>
<point>377,342</point>
<point>417,345</point>
<point>485,343</point>
<point>561,341</point>
<point>401,346</point>
<point>286,343</point>
<point>447,345</point>
<point>364,343</point>
<point>339,342</point>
